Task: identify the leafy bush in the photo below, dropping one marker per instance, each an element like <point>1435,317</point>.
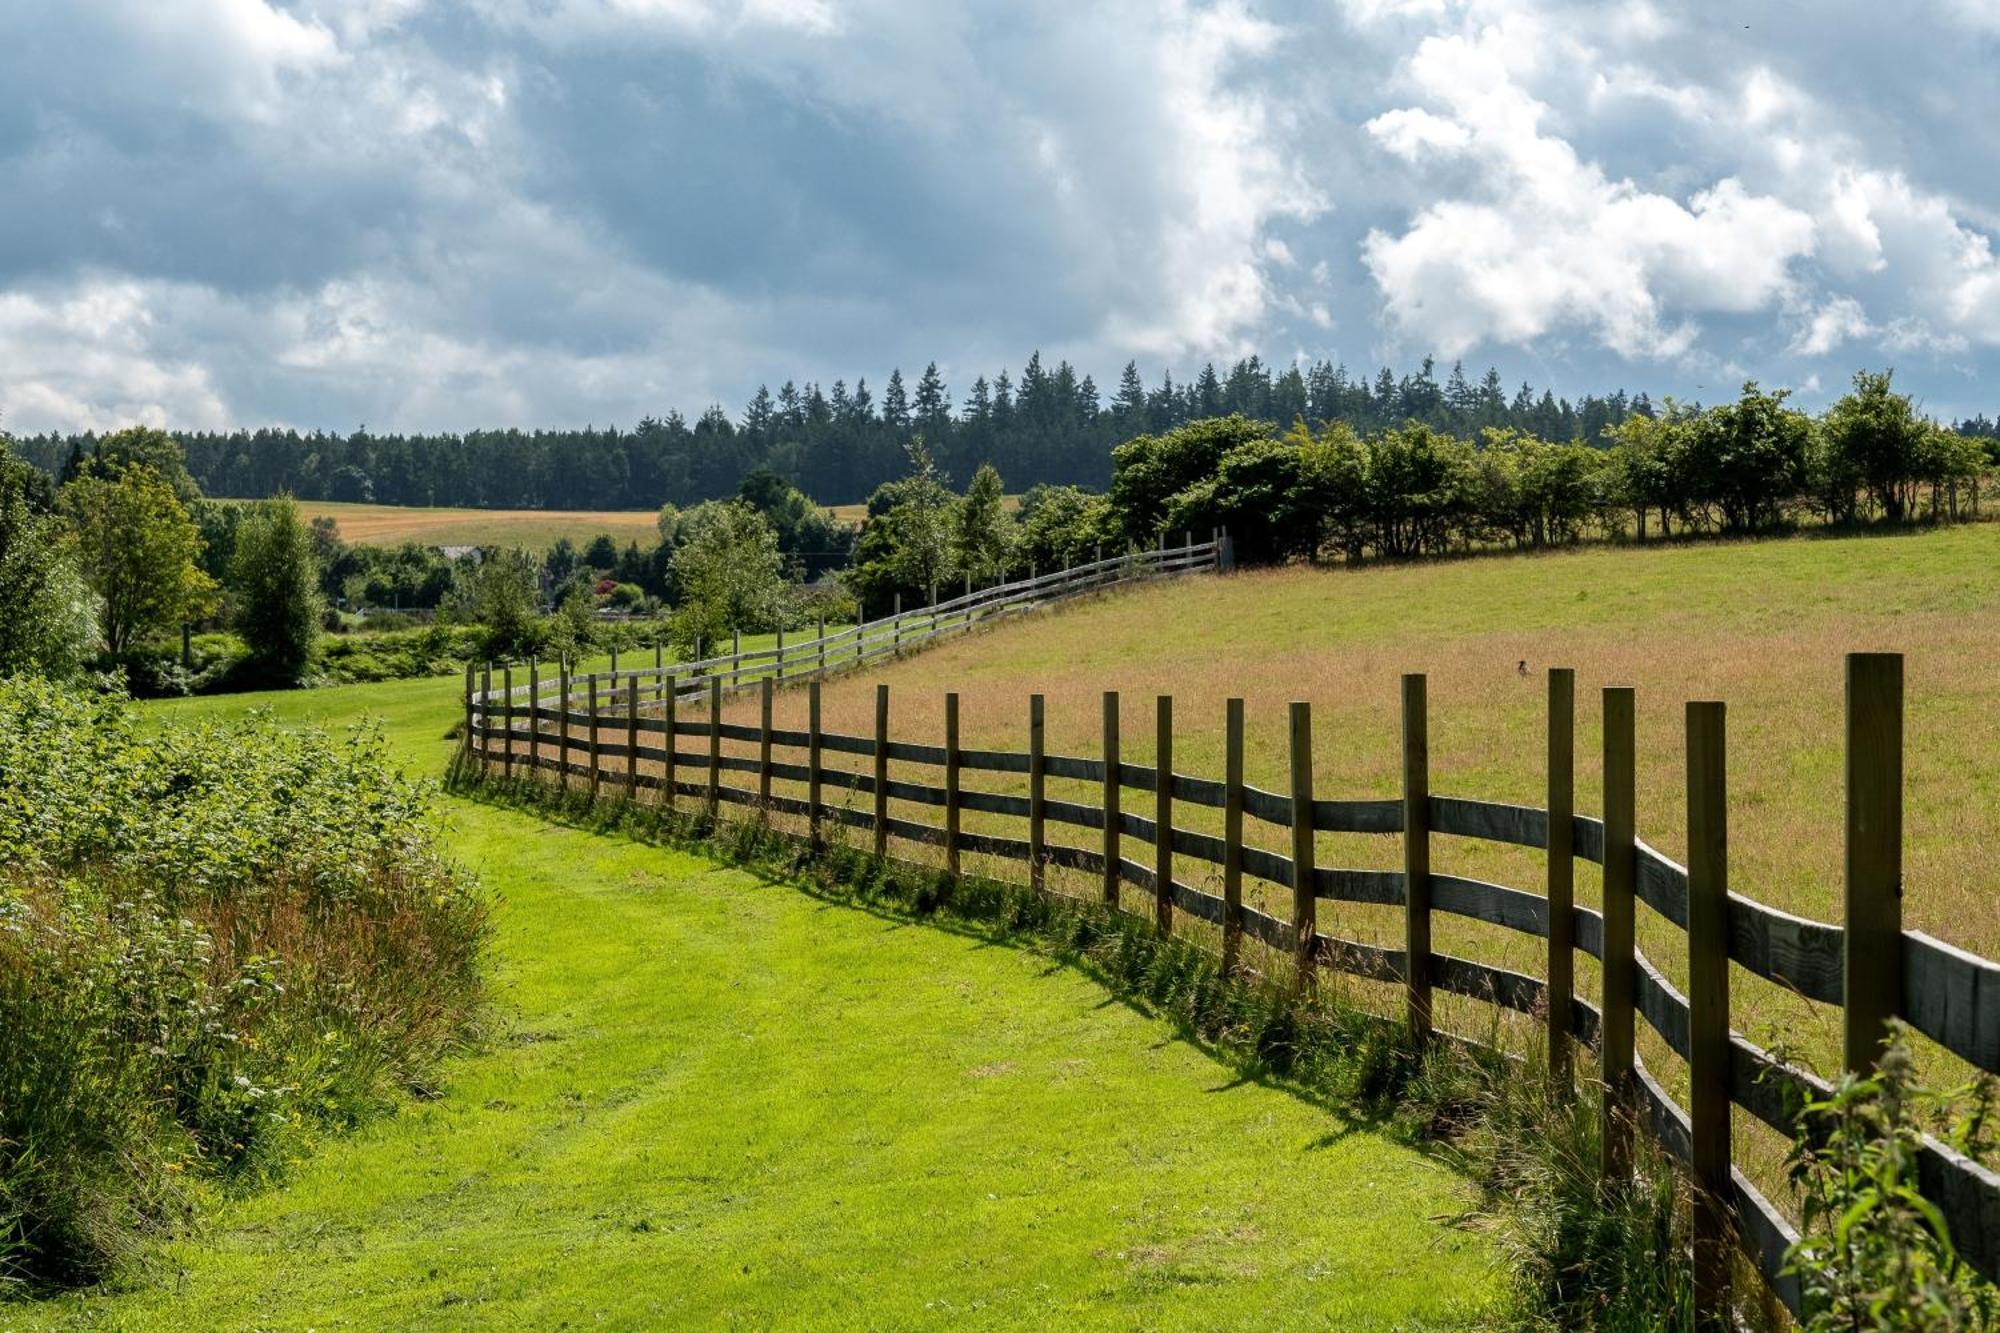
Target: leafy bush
<point>215,942</point>
<point>1875,1252</point>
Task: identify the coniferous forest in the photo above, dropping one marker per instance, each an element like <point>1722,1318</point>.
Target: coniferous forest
<point>839,443</point>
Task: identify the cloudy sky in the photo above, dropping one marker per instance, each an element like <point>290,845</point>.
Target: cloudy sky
<point>439,214</point>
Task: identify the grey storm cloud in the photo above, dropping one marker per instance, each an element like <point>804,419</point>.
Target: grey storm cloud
<point>430,214</point>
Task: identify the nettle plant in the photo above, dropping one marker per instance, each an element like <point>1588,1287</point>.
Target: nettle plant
<point>1875,1253</point>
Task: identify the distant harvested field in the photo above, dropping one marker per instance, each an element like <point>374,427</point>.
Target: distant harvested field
<point>536,529</point>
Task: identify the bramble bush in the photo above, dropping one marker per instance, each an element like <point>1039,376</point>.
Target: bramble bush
<point>216,943</point>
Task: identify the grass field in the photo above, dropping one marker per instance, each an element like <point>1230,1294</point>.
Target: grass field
<point>1762,626</point>
<point>535,529</point>
<point>711,1100</point>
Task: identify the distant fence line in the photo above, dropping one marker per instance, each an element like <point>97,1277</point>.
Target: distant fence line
<point>1950,996</point>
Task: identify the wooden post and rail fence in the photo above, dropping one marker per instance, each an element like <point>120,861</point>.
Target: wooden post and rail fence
<point>1870,966</point>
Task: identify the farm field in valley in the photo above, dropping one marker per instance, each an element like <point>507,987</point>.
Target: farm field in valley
<point>535,529</point>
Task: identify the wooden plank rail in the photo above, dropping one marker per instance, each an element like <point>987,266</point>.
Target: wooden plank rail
<point>1946,993</point>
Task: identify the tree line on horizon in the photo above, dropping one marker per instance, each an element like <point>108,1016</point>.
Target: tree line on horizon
<point>1052,427</point>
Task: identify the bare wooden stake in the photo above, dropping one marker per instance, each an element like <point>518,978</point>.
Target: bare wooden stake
<point>466,748</point>
<point>1561,870</point>
<point>1621,872</point>
<point>596,770</point>
<point>764,746</point>
<point>1232,837</point>
<point>486,720</point>
<point>1163,815</point>
<point>562,720</point>
<point>507,720</point>
<point>815,762</point>
<point>534,716</point>
<point>631,737</point>
<point>881,770</point>
<point>1416,857</point>
<point>1038,845</point>
<point>1708,1009</point>
<point>1305,899</point>
<point>671,780</point>
<point>714,747</point>
<point>1112,785</point>
<point>951,784</point>
<point>1873,967</point>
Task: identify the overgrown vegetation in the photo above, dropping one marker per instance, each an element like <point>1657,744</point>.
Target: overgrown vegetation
<point>215,943</point>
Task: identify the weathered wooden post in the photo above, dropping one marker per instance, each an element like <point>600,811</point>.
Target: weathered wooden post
<point>1038,847</point>
<point>1561,870</point>
<point>764,747</point>
<point>1621,873</point>
<point>1305,901</point>
<point>881,770</point>
<point>1163,815</point>
<point>815,762</point>
<point>951,784</point>
<point>1872,973</point>
<point>631,737</point>
<point>670,779</point>
<point>563,683</point>
<point>1232,837</point>
<point>1708,1009</point>
<point>507,720</point>
<point>1416,858</point>
<point>714,748</point>
<point>781,651</point>
<point>596,770</point>
<point>614,669</point>
<point>896,629</point>
<point>534,716</point>
<point>659,666</point>
<point>735,656</point>
<point>1112,841</point>
<point>822,643</point>
<point>467,747</point>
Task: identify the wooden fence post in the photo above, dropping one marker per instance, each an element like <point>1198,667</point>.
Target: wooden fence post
<point>1561,870</point>
<point>1232,837</point>
<point>534,716</point>
<point>486,720</point>
<point>671,777</point>
<point>1416,857</point>
<point>1038,847</point>
<point>822,643</point>
<point>1163,815</point>
<point>507,720</point>
<point>1112,840</point>
<point>780,659</point>
<point>896,629</point>
<point>596,771</point>
<point>1621,872</point>
<point>881,770</point>
<point>1708,1008</point>
<point>714,747</point>
<point>764,745</point>
<point>814,763</point>
<point>951,783</point>
<point>1872,973</point>
<point>1305,902</point>
<point>466,748</point>
<point>659,663</point>
<point>562,720</point>
<point>631,737</point>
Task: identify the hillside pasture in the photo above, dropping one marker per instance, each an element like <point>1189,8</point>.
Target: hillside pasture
<point>1763,626</point>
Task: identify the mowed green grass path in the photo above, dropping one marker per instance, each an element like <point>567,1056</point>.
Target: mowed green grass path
<point>715,1101</point>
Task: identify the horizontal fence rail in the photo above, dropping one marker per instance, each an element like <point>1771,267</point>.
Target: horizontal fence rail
<point>1950,996</point>
<point>822,653</point>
